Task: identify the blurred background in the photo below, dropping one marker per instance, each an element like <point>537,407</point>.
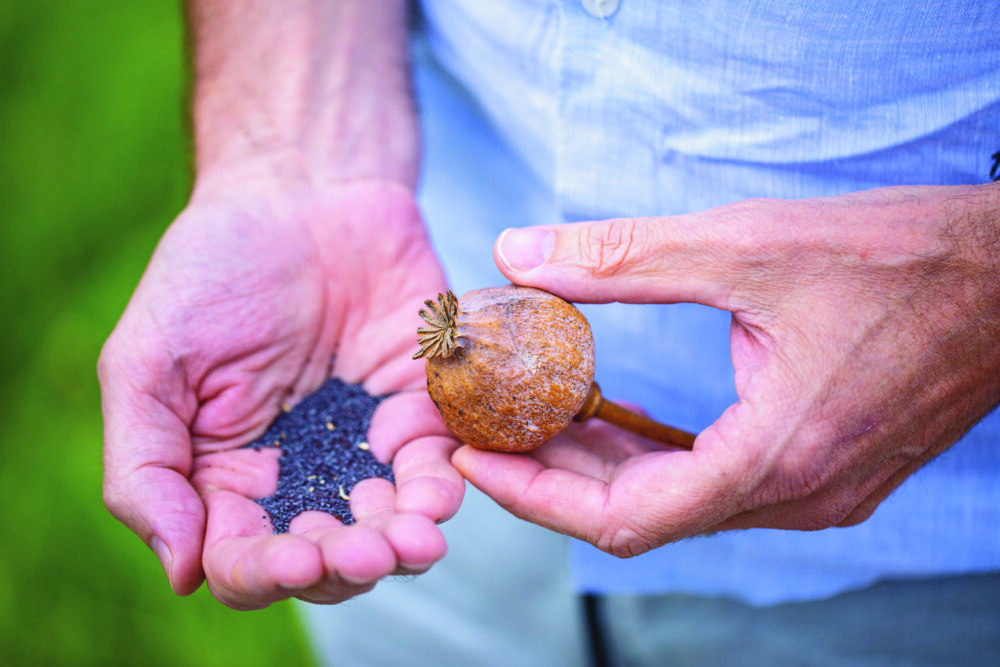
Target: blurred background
<point>93,166</point>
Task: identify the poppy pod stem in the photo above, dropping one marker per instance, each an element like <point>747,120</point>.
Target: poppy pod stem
<point>595,405</point>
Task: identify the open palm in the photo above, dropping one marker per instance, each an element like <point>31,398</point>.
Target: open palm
<point>249,303</point>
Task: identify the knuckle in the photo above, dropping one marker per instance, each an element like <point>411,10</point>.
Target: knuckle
<point>623,542</point>
<point>826,511</point>
<point>750,209</point>
<point>114,498</point>
<point>105,360</point>
<point>859,515</point>
<point>610,247</point>
<point>827,515</point>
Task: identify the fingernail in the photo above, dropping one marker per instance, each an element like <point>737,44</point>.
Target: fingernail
<point>525,249</point>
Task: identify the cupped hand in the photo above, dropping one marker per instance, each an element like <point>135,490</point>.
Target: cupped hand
<point>256,294</point>
<point>863,339</point>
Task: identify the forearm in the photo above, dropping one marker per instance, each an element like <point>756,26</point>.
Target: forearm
<point>312,89</point>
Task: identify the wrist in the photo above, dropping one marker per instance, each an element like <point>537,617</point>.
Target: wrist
<point>283,176</point>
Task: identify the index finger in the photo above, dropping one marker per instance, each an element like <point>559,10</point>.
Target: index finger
<point>690,258</point>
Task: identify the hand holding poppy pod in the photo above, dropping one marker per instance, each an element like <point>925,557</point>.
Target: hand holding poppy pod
<point>863,340</point>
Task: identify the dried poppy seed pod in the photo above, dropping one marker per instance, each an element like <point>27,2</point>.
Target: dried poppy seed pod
<point>508,367</point>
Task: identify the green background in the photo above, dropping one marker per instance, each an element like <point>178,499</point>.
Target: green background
<point>93,166</point>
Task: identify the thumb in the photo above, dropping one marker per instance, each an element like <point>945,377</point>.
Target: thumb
<point>147,459</point>
<point>634,260</point>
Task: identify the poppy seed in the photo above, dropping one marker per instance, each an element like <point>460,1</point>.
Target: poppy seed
<point>310,450</point>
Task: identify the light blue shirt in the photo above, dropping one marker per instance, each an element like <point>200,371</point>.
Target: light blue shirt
<point>668,107</point>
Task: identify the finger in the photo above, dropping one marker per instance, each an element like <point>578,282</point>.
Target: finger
<point>426,481</point>
<point>825,508</point>
<point>248,567</point>
<point>606,443</point>
<point>249,472</point>
<point>415,540</point>
<point>815,512</point>
<point>637,260</point>
<point>577,456</point>
<point>159,505</point>
<point>147,459</point>
<point>401,418</point>
<point>313,521</point>
<point>651,499</point>
<point>373,500</point>
<point>845,500</point>
<point>354,559</point>
<point>356,556</point>
<point>867,507</point>
<point>561,500</point>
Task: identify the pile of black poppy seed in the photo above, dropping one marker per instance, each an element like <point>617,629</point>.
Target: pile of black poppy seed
<point>324,453</point>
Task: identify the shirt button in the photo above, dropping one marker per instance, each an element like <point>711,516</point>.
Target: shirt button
<point>602,9</point>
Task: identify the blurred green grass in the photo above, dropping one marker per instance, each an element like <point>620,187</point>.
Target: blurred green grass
<point>93,166</point>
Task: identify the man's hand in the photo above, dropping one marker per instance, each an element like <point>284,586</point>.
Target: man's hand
<point>301,245</point>
<point>864,341</point>
<point>246,301</point>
